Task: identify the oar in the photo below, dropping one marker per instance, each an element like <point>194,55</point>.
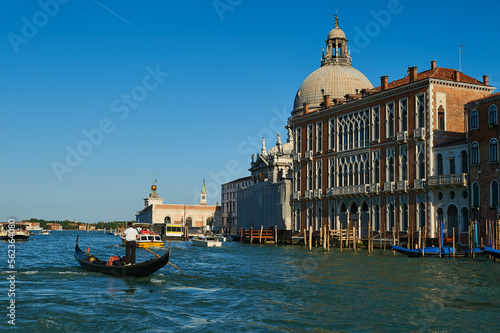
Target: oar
<point>157,255</point>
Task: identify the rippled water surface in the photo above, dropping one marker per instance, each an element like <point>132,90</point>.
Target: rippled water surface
<point>248,288</point>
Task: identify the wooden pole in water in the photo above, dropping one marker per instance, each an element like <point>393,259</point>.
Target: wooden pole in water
<point>424,243</point>
<point>321,236</point>
<point>394,240</point>
<point>328,237</point>
<point>310,237</point>
<point>453,242</point>
<point>241,235</point>
<point>348,236</point>
<point>341,234</point>
<point>354,236</point>
<point>324,238</point>
<point>305,237</point>
<point>419,238</point>
<point>251,234</point>
<point>260,234</point>
<point>275,234</point>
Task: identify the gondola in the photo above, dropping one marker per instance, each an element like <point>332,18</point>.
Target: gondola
<point>433,251</point>
<point>492,252</point>
<point>141,269</point>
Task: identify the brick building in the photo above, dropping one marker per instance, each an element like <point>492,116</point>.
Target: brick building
<point>484,133</point>
<point>385,156</point>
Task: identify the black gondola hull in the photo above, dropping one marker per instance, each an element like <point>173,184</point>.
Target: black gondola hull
<point>141,269</point>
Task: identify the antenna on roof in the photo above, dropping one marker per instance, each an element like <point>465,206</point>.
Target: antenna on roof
<point>460,57</point>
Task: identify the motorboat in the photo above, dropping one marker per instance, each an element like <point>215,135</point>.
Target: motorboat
<point>16,230</point>
<point>45,232</point>
<point>206,241</point>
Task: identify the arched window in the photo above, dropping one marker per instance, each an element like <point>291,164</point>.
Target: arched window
<point>475,195</point>
<point>493,150</point>
<point>309,218</point>
<point>474,152</point>
<point>376,171</point>
<point>422,215</point>
<point>332,218</point>
<point>318,219</point>
<point>404,222</point>
<point>451,162</point>
<point>167,220</point>
<point>391,217</point>
<point>494,194</point>
<point>492,115</point>
<point>473,120</point>
<point>439,164</point>
<point>376,218</point>
<point>391,169</point>
<point>465,219</point>
<point>452,219</point>
<point>189,222</point>
<point>465,163</point>
<point>439,218</point>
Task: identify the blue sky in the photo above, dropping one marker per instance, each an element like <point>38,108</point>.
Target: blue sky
<point>183,91</point>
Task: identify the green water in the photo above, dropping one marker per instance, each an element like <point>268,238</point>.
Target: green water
<point>249,288</point>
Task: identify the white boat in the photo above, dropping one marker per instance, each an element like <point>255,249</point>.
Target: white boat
<point>17,231</point>
<point>206,241</point>
<point>223,238</point>
<point>44,232</point>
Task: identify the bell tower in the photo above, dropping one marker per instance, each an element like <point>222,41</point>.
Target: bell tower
<point>203,200</point>
<point>336,47</point>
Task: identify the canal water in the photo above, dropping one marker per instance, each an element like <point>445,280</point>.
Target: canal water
<point>247,288</point>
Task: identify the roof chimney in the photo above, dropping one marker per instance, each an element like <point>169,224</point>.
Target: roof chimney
<point>457,76</point>
<point>412,73</point>
<point>306,108</point>
<point>433,64</point>
<point>486,80</point>
<point>384,82</point>
<point>326,101</point>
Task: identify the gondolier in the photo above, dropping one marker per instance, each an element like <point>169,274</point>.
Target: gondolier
<point>131,236</point>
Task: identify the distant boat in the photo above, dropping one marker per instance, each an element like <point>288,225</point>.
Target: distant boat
<point>45,232</point>
<point>141,269</point>
<point>19,232</point>
<point>206,241</point>
<point>147,240</point>
<point>222,238</point>
<point>433,251</point>
<point>112,233</point>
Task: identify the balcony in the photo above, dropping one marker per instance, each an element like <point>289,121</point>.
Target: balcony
<point>402,185</point>
<point>389,186</point>
<point>309,194</point>
<point>419,184</point>
<point>317,193</point>
<point>296,157</point>
<point>348,190</point>
<point>296,195</point>
<point>374,188</point>
<point>459,179</point>
<point>329,191</point>
<point>419,133</point>
<point>402,136</point>
<point>308,155</point>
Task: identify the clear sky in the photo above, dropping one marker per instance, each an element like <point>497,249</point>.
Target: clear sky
<point>100,98</point>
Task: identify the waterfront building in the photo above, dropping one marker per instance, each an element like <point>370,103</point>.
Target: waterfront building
<point>371,154</point>
<point>229,202</point>
<point>483,136</point>
<point>266,201</point>
<point>164,216</point>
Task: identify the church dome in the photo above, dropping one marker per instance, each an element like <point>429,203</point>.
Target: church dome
<point>335,80</point>
<point>336,33</point>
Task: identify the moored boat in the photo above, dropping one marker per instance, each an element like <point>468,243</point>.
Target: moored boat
<point>141,269</point>
<point>147,240</point>
<point>492,252</point>
<point>206,241</point>
<point>433,251</point>
<point>19,231</point>
<point>223,238</point>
